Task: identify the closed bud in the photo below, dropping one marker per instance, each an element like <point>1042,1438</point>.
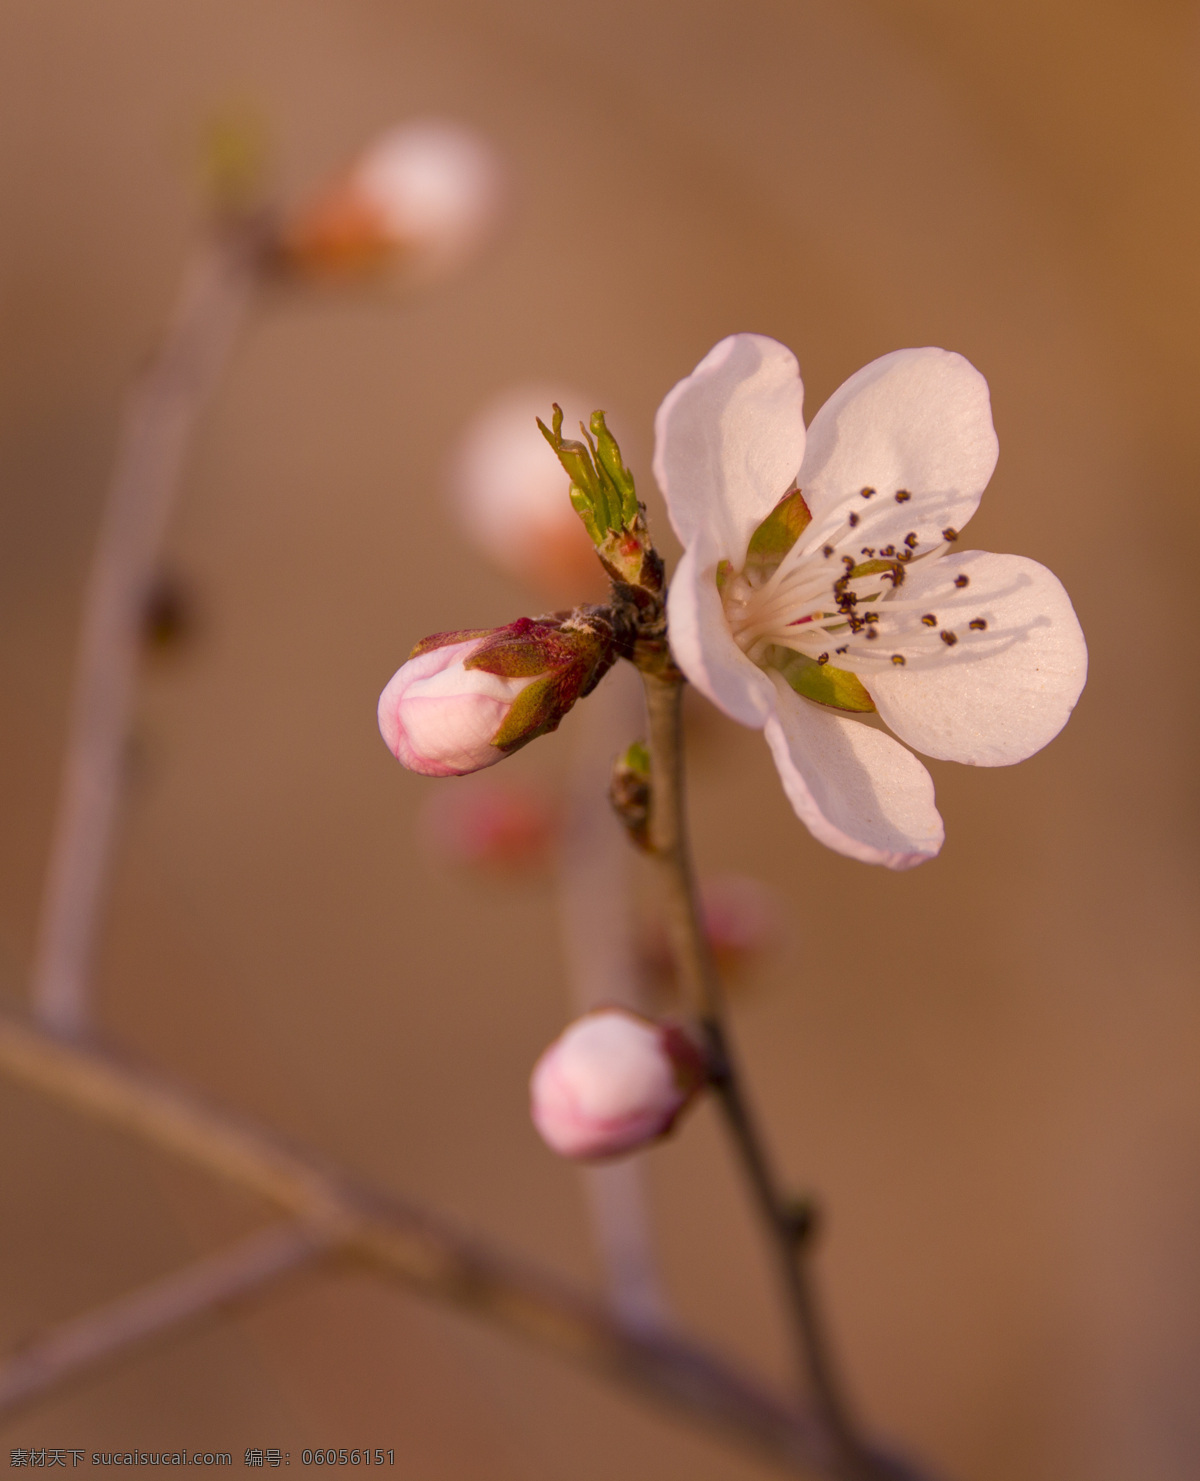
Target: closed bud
<point>465,700</point>
<point>420,198</point>
<point>612,1082</point>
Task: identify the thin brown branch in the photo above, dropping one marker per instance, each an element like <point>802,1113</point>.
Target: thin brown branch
<point>789,1229</point>
<point>160,417</point>
<point>210,1284</point>
<point>409,1244</point>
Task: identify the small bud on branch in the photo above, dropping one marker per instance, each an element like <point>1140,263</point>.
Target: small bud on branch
<point>613,1082</point>
<point>466,699</point>
<point>629,792</point>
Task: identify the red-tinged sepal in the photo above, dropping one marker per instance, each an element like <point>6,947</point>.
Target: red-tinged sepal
<point>447,639</point>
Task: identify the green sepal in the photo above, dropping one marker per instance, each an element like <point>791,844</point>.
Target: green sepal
<point>538,709</point>
<point>602,493</point>
<point>821,682</point>
<point>724,572</point>
<point>511,658</point>
<point>611,467</point>
<point>586,491</point>
<point>584,506</point>
<point>779,531</point>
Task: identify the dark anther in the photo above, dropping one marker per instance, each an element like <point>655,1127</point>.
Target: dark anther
<point>871,616</point>
<point>911,540</point>
<point>822,657</point>
<point>854,521</point>
<point>868,550</point>
<point>929,620</point>
<point>902,496</point>
<point>848,562</point>
<point>872,632</point>
<point>948,638</point>
<point>961,581</point>
<point>857,624</point>
<point>949,533</point>
<point>827,552</point>
<point>842,650</point>
<point>867,493</point>
<point>898,660</point>
<point>977,624</point>
<point>888,550</point>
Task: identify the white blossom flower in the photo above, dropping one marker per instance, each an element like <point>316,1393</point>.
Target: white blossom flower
<point>611,1082</point>
<point>820,582</point>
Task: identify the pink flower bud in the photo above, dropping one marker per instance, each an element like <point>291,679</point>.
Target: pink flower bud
<point>611,1082</point>
<point>424,193</point>
<point>452,708</point>
<point>439,717</point>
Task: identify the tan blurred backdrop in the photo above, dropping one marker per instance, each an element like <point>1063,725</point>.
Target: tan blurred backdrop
<point>987,1069</point>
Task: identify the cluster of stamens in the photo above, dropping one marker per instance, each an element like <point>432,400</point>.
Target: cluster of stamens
<point>859,619</point>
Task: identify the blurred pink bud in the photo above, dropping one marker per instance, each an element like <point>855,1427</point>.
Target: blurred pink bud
<point>741,921</point>
<point>425,193</point>
<point>491,826</point>
<point>612,1082</point>
<point>512,495</point>
<point>740,917</point>
<point>439,717</point>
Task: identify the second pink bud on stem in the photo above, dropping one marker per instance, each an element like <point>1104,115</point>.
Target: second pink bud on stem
<point>612,1082</point>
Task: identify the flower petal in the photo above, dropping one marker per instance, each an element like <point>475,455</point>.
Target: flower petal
<point>729,440</point>
<point>703,646</point>
<point>997,695</point>
<point>915,424</point>
<point>855,789</point>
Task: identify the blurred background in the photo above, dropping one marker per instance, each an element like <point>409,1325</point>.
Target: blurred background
<point>985,1069</point>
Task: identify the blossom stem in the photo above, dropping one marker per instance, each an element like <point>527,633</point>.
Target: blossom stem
<point>789,1224</point>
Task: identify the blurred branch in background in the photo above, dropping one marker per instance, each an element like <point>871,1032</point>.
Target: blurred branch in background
<point>411,207</point>
<point>210,1284</point>
<point>340,1215</point>
<point>160,419</point>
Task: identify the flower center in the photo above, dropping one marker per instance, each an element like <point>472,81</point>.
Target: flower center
<point>842,603</point>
